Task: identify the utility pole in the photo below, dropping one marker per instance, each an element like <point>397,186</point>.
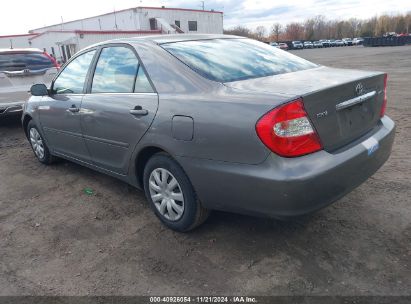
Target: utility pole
<point>115,19</point>
<point>203,5</point>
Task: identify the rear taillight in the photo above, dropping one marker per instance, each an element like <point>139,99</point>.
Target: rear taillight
<point>384,103</point>
<point>53,60</point>
<point>287,131</point>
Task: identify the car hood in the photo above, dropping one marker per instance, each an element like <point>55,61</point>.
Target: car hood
<point>301,82</point>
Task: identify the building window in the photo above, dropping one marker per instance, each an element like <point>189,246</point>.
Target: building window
<point>177,22</point>
<point>192,26</point>
<point>63,52</point>
<point>153,24</point>
<point>68,52</point>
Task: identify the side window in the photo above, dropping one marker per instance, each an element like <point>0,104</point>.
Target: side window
<point>72,78</point>
<point>116,71</point>
<point>142,83</point>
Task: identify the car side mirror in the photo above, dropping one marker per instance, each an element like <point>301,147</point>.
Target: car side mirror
<point>39,90</point>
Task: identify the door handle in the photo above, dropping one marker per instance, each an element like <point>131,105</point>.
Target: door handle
<point>73,109</point>
<point>138,111</point>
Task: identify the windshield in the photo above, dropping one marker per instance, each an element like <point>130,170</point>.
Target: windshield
<point>21,61</point>
<point>226,60</point>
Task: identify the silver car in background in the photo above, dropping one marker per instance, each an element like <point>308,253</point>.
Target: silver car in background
<point>308,45</point>
<point>19,70</point>
<point>297,45</point>
<point>214,122</point>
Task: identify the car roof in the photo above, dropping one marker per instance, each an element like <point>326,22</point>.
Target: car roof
<point>161,39</point>
<point>19,50</point>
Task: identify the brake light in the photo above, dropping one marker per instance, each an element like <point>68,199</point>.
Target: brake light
<point>53,60</point>
<point>287,131</point>
<point>384,103</point>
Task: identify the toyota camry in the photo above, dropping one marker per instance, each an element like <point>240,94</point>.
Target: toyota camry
<point>214,122</point>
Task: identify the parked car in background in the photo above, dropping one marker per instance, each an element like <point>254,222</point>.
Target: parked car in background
<point>275,44</point>
<point>332,43</point>
<point>317,44</point>
<point>297,45</point>
<point>390,34</point>
<point>347,41</point>
<point>283,46</point>
<point>358,41</point>
<point>325,43</point>
<point>308,45</point>
<point>339,43</point>
<point>307,134</point>
<point>19,70</point>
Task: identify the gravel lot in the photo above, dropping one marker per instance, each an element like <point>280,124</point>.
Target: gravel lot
<point>56,240</point>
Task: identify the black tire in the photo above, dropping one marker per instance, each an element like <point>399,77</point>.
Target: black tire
<point>194,213</point>
<point>47,158</point>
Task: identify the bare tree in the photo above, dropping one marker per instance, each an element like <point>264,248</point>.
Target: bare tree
<point>383,25</point>
<point>239,31</point>
<point>260,32</point>
<point>294,31</point>
<point>408,22</point>
<point>320,28</point>
<point>276,30</point>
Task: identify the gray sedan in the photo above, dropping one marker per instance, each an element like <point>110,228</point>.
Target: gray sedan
<point>214,122</point>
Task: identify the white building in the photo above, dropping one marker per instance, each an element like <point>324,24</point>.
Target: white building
<point>64,39</point>
<point>15,41</point>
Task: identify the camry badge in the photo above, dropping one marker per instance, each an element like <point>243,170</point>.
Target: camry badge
<point>322,114</point>
<point>359,89</point>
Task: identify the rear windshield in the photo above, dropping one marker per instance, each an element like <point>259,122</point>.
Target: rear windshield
<point>226,60</point>
<point>21,61</point>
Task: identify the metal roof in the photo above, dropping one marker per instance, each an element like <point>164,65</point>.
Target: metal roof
<point>130,9</point>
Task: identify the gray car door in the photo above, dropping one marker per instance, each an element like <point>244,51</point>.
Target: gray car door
<point>60,112</point>
<point>118,109</point>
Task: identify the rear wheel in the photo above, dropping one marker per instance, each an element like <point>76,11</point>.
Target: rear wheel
<point>171,194</point>
<point>38,144</point>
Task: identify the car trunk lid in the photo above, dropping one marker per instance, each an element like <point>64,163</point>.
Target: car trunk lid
<point>341,104</point>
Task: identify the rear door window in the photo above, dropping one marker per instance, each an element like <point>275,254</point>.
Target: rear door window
<point>142,84</point>
<point>32,61</point>
<point>116,71</point>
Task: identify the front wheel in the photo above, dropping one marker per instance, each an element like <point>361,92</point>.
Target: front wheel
<point>171,195</point>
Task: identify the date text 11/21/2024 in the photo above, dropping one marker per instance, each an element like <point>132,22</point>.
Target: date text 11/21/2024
<point>203,299</point>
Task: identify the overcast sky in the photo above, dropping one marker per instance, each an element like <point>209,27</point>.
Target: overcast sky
<point>18,16</point>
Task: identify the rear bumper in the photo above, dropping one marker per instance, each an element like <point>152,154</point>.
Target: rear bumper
<point>282,187</point>
<point>12,108</point>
